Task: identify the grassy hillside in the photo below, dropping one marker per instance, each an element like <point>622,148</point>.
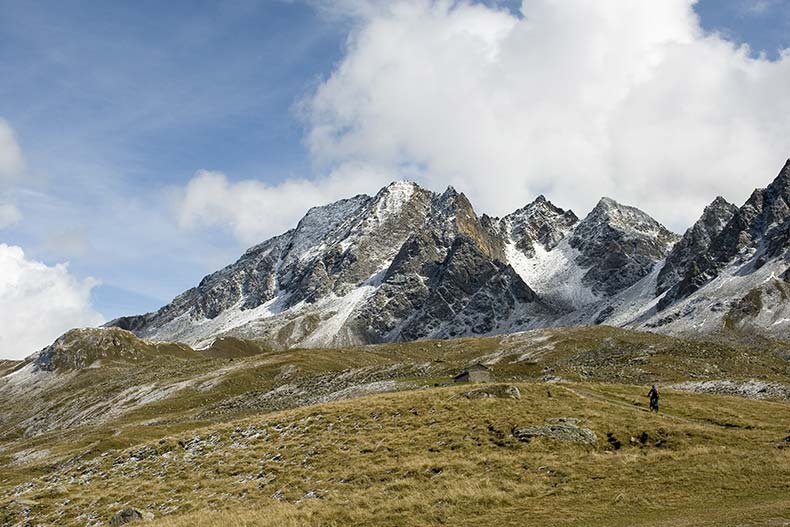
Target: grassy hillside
<point>430,457</point>
<point>380,435</point>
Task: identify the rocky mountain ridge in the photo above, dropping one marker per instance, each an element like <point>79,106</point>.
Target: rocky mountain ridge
<point>408,264</point>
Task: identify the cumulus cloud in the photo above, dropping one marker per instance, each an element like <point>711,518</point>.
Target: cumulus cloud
<point>255,211</point>
<point>575,99</point>
<point>39,302</point>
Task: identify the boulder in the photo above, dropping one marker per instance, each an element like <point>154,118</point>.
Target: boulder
<point>129,515</point>
<point>497,391</point>
<point>563,429</point>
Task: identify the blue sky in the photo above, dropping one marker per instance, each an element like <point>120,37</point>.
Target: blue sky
<point>116,105</point>
<point>117,101</point>
<point>763,24</point>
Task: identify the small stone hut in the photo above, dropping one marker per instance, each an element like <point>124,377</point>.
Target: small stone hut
<point>475,373</point>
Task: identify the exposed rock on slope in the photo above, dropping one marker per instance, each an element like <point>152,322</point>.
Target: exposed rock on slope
<point>539,222</point>
<point>695,241</point>
<point>80,348</point>
<point>562,429</point>
<point>619,245</point>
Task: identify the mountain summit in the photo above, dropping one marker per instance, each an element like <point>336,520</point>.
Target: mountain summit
<point>408,264</point>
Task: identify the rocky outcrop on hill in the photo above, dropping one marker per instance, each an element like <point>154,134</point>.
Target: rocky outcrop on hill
<point>79,348</point>
<point>561,429</point>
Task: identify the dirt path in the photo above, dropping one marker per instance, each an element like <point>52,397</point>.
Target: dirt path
<point>596,396</point>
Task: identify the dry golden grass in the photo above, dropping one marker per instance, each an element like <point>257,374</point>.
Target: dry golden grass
<point>427,458</point>
<point>422,457</point>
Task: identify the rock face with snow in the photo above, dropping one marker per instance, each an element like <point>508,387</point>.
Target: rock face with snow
<point>695,242</point>
<point>619,245</point>
<point>539,222</point>
<point>449,278</point>
<point>740,282</point>
<point>408,264</point>
<point>757,232</point>
<point>403,265</point>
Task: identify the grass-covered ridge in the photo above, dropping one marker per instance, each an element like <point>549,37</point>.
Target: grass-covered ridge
<point>308,437</point>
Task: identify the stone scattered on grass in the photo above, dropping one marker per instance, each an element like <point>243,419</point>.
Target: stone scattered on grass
<point>497,391</point>
<point>129,515</point>
<point>563,429</point>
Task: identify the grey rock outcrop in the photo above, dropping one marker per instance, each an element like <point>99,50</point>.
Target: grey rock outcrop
<point>126,516</point>
<point>562,429</point>
<point>539,222</point>
<point>697,240</point>
<point>619,245</point>
<point>497,391</point>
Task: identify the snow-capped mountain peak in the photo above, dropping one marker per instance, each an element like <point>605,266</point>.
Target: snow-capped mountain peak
<point>758,231</point>
<point>695,241</point>
<point>611,214</point>
<point>409,263</point>
<point>619,245</point>
<point>538,222</point>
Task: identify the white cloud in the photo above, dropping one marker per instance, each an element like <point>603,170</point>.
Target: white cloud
<point>577,99</point>
<point>255,211</point>
<point>11,161</point>
<point>39,302</point>
<point>9,215</point>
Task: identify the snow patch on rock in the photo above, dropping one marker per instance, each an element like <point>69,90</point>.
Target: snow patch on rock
<point>554,275</point>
